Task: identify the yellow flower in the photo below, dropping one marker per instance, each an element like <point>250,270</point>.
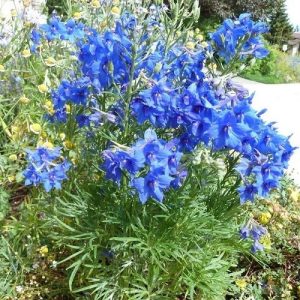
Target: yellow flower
<point>116,2</point>
<point>62,136</point>
<point>68,108</point>
<point>2,69</point>
<point>13,13</point>
<point>26,3</point>
<point>204,44</point>
<point>264,218</point>
<point>190,45</point>
<point>48,145</point>
<point>13,157</point>
<point>26,53</point>
<point>68,144</point>
<point>11,178</point>
<point>265,240</point>
<point>44,135</point>
<point>49,107</point>
<point>24,100</point>
<point>36,128</point>
<point>77,15</point>
<point>43,88</point>
<point>103,24</point>
<point>44,250</point>
<point>50,62</point>
<point>294,196</point>
<point>199,37</point>
<point>95,3</point>
<point>116,10</point>
<point>241,283</point>
<point>213,66</point>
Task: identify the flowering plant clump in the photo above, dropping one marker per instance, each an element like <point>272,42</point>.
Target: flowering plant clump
<point>168,87</point>
<point>140,147</point>
<point>43,169</point>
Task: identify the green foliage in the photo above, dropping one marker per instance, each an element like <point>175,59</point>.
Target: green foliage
<point>4,204</point>
<point>103,245</point>
<point>228,8</point>
<point>277,67</point>
<point>280,27</point>
<point>94,240</point>
<point>279,279</point>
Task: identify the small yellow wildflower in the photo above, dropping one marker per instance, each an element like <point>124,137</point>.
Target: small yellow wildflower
<point>26,3</point>
<point>199,37</point>
<point>24,100</point>
<point>49,107</point>
<point>213,66</point>
<point>68,144</point>
<point>13,157</point>
<point>44,134</point>
<point>68,108</point>
<point>26,53</point>
<point>13,13</point>
<point>264,218</point>
<point>190,45</point>
<point>204,44</point>
<point>50,62</point>
<point>265,240</point>
<point>2,69</point>
<point>241,283</point>
<point>48,145</point>
<point>11,178</point>
<point>116,10</point>
<point>43,88</point>
<point>295,196</point>
<point>36,128</point>
<point>44,250</point>
<point>103,24</point>
<point>95,3</point>
<point>62,136</point>
<point>77,15</point>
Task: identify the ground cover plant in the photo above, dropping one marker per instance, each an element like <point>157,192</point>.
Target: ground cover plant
<point>129,155</point>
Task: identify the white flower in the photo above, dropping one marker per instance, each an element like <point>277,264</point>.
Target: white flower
<point>19,289</point>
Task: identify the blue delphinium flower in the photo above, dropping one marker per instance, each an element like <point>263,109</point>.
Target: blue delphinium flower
<point>160,159</point>
<point>119,161</point>
<point>53,178</point>
<point>247,192</point>
<point>54,29</point>
<point>153,184</point>
<point>230,34</point>
<point>228,132</point>
<point>44,168</point>
<point>255,232</point>
<point>177,94</point>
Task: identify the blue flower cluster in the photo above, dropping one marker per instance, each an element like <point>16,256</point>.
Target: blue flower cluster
<point>228,37</point>
<point>56,29</point>
<point>44,169</point>
<point>176,91</point>
<point>255,232</point>
<point>157,159</point>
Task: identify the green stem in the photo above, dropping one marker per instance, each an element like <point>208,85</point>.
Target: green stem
<point>129,92</point>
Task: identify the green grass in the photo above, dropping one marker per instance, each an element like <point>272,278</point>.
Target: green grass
<point>268,79</point>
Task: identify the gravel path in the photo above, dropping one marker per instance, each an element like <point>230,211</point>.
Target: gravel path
<point>283,104</point>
